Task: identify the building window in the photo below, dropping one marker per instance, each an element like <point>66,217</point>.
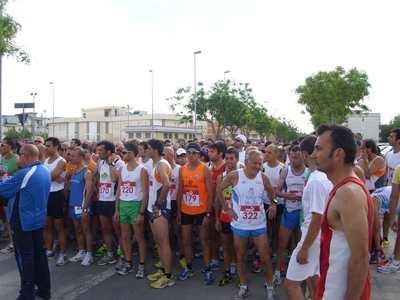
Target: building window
<point>130,135</point>
<point>98,127</point>
<point>107,129</point>
<point>106,113</point>
<point>170,136</point>
<point>147,135</point>
<point>176,136</point>
<point>185,136</point>
<point>138,135</point>
<point>165,136</point>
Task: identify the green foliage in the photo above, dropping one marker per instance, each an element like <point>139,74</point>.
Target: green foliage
<point>15,134</point>
<point>9,29</point>
<point>333,96</point>
<point>386,129</point>
<point>228,105</point>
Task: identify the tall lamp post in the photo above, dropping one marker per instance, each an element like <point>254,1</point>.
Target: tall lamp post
<point>195,96</point>
<point>52,83</point>
<point>152,108</point>
<point>33,117</point>
<point>226,72</point>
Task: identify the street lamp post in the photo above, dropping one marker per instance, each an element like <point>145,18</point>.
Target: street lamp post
<point>33,116</point>
<point>52,83</point>
<point>152,108</point>
<point>226,72</point>
<point>195,96</point>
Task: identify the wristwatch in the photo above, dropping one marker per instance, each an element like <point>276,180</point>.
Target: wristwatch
<point>85,210</point>
<point>141,213</point>
<point>208,215</point>
<point>114,162</point>
<point>276,201</point>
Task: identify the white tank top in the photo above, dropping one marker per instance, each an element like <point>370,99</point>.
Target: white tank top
<point>370,181</point>
<point>55,186</point>
<point>131,184</point>
<point>106,185</point>
<point>247,202</point>
<point>155,187</point>
<point>294,184</point>
<point>173,190</point>
<point>148,164</point>
<point>392,161</point>
<point>273,175</point>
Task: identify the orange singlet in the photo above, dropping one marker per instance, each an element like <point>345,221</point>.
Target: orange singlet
<point>194,191</point>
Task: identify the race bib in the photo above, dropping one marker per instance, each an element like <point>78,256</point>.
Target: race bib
<point>297,193</point>
<point>249,214</point>
<point>127,187</point>
<point>79,210</point>
<point>229,203</point>
<point>191,198</point>
<point>105,188</point>
<point>172,189</point>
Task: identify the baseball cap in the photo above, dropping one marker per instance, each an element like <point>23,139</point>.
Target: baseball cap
<point>194,145</point>
<point>242,137</point>
<point>180,151</point>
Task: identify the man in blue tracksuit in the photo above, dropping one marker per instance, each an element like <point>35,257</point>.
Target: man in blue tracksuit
<point>28,191</point>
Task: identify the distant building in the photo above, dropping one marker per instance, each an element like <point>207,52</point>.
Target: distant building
<point>366,124</point>
<point>35,124</point>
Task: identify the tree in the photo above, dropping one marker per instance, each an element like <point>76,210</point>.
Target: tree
<point>9,29</point>
<point>386,129</point>
<point>15,134</point>
<point>333,96</point>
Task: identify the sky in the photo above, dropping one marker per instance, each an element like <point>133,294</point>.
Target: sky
<point>99,52</point>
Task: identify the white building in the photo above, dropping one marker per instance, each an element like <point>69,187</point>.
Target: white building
<point>118,123</point>
<point>367,125</point>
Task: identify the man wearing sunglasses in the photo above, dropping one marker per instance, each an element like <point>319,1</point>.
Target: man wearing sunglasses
<point>195,200</point>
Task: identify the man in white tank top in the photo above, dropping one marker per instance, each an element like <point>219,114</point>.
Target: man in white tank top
<point>249,217</point>
<point>55,206</point>
<point>290,186</point>
<point>107,175</point>
<point>130,207</point>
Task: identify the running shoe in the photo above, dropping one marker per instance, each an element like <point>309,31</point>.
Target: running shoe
<point>270,294</point>
<point>163,282</point>
<point>107,260</point>
<point>257,266</point>
<point>372,259</point>
<point>158,264</point>
<point>383,261</point>
<point>186,274</point>
<point>119,252</point>
<point>233,271</point>
<point>141,271</point>
<point>273,258</point>
<point>127,268</point>
<point>50,255</point>
<point>221,254</point>
<point>209,278</point>
<point>80,256</point>
<point>276,280</point>
<point>101,251</point>
<point>135,249</point>
<point>120,263</point>
<point>71,240</point>
<point>389,268</point>
<point>88,260</point>
<point>56,245</point>
<point>384,243</point>
<point>8,249</point>
<point>225,280</point>
<point>243,293</point>
<point>155,276</point>
<point>182,263</point>
<point>213,267</point>
<point>62,260</point>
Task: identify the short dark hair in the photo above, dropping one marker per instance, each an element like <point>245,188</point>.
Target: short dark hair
<point>108,146</point>
<point>341,137</point>
<point>307,144</point>
<point>87,147</point>
<point>157,145</point>
<point>131,146</point>
<point>77,141</point>
<point>397,132</point>
<point>220,147</point>
<point>282,152</point>
<point>233,150</point>
<point>167,141</point>
<point>55,141</point>
<point>10,142</point>
<point>144,144</point>
<point>294,148</point>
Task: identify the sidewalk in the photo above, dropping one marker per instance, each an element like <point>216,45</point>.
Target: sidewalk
<point>385,286</point>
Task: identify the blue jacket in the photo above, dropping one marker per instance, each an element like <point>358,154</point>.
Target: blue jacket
<point>33,186</point>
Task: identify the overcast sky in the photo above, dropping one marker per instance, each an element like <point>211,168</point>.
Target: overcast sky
<point>99,52</point>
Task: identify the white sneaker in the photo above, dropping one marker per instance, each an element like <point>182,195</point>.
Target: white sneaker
<point>8,249</point>
<point>78,257</point>
<point>55,245</point>
<point>276,280</point>
<point>88,260</point>
<point>62,260</point>
<point>270,294</point>
<point>389,268</point>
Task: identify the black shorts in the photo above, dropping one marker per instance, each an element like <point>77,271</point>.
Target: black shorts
<point>106,208</point>
<point>95,208</point>
<point>4,201</point>
<point>226,228</point>
<point>279,209</point>
<point>192,219</point>
<point>55,205</point>
<point>162,211</point>
<point>174,209</point>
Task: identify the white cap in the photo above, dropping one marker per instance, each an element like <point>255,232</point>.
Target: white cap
<point>180,151</point>
<point>242,137</point>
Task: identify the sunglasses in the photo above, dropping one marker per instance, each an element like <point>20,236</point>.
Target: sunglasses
<point>192,152</point>
<point>125,152</point>
<point>238,140</point>
<point>38,141</point>
<point>26,140</point>
<point>119,150</point>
